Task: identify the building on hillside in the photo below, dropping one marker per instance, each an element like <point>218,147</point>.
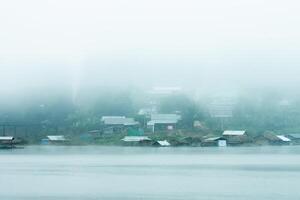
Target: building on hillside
<point>236,137</point>
<point>113,124</point>
<point>163,122</point>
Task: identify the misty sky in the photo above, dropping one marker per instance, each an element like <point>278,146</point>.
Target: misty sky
<point>190,43</point>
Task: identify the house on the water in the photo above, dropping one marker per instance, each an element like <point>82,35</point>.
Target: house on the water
<point>54,139</point>
<point>214,141</point>
<point>137,140</point>
<point>163,122</point>
<point>112,124</point>
<point>6,141</point>
<point>236,137</point>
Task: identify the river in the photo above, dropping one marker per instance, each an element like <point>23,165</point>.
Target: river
<point>95,172</point>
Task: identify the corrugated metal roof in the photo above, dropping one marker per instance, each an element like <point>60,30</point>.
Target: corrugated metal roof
<point>163,143</point>
<point>118,120</point>
<point>56,137</point>
<point>135,138</point>
<point>234,133</point>
<point>283,138</point>
<point>6,138</point>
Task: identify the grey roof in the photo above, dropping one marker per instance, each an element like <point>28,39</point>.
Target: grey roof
<point>56,137</point>
<point>153,122</point>
<point>118,120</point>
<point>234,133</point>
<point>135,138</point>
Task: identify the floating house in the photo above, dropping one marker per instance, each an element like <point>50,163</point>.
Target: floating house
<point>215,141</point>
<point>54,139</point>
<point>113,124</point>
<point>137,140</point>
<point>6,141</point>
<point>235,137</point>
<point>163,122</point>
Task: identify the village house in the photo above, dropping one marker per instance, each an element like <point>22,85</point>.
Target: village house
<point>214,141</point>
<point>163,122</point>
<point>54,139</point>
<point>137,140</point>
<point>236,137</point>
<point>6,141</point>
<point>112,124</point>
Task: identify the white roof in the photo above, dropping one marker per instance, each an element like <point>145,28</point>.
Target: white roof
<point>135,138</point>
<point>6,137</point>
<point>164,143</point>
<point>165,117</point>
<point>118,120</point>
<point>56,137</point>
<point>153,122</point>
<point>283,138</point>
<point>234,133</point>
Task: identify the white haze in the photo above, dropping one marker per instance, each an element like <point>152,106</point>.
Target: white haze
<point>195,44</point>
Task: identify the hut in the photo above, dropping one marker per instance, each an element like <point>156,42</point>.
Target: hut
<point>236,137</point>
<point>54,139</point>
<point>137,140</point>
<point>163,122</point>
<point>6,141</point>
<point>215,141</point>
<point>112,124</point>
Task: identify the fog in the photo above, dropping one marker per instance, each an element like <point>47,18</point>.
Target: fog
<point>55,45</point>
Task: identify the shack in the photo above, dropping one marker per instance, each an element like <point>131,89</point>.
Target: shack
<point>214,141</point>
<point>112,124</point>
<point>137,140</point>
<point>6,141</point>
<point>54,139</point>
<point>163,122</point>
<point>235,137</point>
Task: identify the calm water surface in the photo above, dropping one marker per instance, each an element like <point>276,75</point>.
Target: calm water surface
<point>90,173</point>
